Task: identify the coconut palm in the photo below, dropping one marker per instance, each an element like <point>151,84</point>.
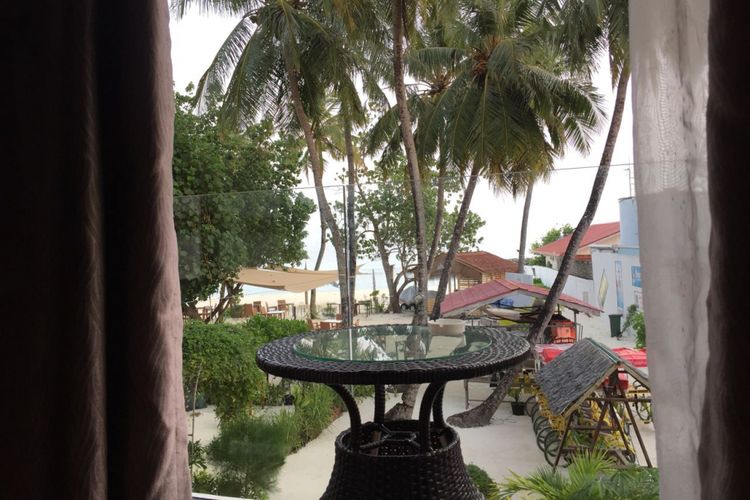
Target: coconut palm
<point>497,105</point>
<point>524,227</point>
<point>584,31</point>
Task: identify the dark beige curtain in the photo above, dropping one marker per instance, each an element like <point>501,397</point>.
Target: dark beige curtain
<point>90,370</point>
<point>725,440</point>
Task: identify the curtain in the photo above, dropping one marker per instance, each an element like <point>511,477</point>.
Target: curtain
<point>724,439</point>
<point>670,87</point>
<point>91,323</point>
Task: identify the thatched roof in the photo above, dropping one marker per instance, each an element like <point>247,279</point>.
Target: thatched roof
<point>574,375</point>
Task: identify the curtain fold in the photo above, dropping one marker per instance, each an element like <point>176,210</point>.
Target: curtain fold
<point>669,63</point>
<point>91,328</point>
<point>724,439</point>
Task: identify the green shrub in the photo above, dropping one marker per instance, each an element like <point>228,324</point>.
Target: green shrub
<point>264,329</point>
<point>248,453</point>
<point>483,482</point>
<point>224,357</point>
<point>315,407</point>
<point>204,482</point>
<point>635,320</point>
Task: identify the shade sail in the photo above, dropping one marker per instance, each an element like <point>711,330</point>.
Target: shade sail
<point>288,278</point>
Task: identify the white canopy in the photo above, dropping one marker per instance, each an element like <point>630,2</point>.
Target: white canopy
<point>288,278</point>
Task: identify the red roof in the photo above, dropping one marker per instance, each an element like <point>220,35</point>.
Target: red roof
<point>484,262</point>
<point>595,233</point>
<point>472,298</point>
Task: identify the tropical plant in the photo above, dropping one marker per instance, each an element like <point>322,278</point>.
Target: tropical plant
<point>524,228</point>
<point>387,222</point>
<point>248,453</point>
<point>264,68</point>
<point>553,234</point>
<point>584,31</point>
<point>635,320</point>
<point>222,358</point>
<point>483,482</point>
<point>591,476</point>
<point>220,227</point>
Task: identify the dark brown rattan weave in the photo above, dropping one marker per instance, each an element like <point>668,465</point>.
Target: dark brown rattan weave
<point>397,472</point>
<point>505,349</point>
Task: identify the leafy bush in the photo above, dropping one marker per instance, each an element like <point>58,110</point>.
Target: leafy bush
<point>223,358</point>
<point>264,329</point>
<point>315,407</point>
<point>591,476</point>
<point>248,453</point>
<point>483,482</point>
<point>635,320</point>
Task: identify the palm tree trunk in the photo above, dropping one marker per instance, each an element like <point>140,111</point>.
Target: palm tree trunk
<point>458,230</point>
<point>318,262</point>
<point>350,219</point>
<point>412,164</point>
<point>524,226</point>
<point>317,169</point>
<point>482,414</point>
<point>438,220</point>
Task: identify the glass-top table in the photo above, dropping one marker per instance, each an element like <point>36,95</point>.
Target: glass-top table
<point>387,343</point>
<point>423,455</point>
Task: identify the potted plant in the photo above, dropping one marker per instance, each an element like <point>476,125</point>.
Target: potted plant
<point>517,406</point>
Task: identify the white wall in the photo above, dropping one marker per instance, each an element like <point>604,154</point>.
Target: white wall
<point>605,263</point>
<point>579,288</point>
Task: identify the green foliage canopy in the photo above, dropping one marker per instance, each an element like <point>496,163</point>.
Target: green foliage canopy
<point>234,205</point>
<point>553,234</point>
<point>386,213</point>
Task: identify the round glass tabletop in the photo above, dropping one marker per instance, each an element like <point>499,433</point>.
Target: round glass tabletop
<point>388,343</point>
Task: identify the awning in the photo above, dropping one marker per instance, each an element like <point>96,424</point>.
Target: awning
<point>288,278</point>
<point>469,299</point>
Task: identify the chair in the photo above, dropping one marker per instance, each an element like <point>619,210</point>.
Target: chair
<point>313,325</point>
<point>259,309</point>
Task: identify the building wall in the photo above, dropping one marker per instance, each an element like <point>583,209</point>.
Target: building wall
<point>617,278</point>
<point>582,289</point>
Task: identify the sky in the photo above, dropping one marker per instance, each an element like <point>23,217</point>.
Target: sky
<point>561,200</point>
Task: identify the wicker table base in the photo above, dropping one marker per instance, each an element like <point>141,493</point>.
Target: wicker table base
<point>397,469</point>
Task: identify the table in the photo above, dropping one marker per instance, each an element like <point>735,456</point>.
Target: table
<point>281,313</point>
<point>330,324</point>
<point>404,458</point>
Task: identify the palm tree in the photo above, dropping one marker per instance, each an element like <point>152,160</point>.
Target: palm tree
<point>584,31</point>
<point>524,226</point>
<point>412,163</point>
<point>587,28</point>
<point>505,112</point>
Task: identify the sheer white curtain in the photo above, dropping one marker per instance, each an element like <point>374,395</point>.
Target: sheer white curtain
<point>670,89</point>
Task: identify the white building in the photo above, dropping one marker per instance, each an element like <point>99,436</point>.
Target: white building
<point>616,268</point>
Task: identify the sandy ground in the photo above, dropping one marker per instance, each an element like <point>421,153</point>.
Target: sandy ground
<point>507,444</point>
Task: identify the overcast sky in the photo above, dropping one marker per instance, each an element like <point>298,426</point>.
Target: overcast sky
<point>196,38</point>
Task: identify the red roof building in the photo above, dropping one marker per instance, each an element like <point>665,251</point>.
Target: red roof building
<point>473,268</point>
<point>470,299</point>
<point>598,234</point>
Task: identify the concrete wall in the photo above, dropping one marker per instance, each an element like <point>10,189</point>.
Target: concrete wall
<point>617,279</point>
<point>579,288</point>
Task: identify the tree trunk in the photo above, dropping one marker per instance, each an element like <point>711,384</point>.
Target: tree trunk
<point>438,220</point>
<point>318,262</point>
<point>482,414</point>
<point>317,169</point>
<point>420,317</point>
<point>524,226</point>
<point>350,219</point>
<point>458,229</point>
